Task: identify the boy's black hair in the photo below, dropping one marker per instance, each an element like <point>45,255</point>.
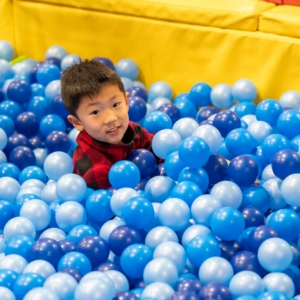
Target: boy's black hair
<point>86,79</point>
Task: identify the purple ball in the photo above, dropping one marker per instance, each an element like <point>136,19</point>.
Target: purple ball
<point>22,157</point>
<point>215,290</point>
<point>225,121</point>
<point>73,272</point>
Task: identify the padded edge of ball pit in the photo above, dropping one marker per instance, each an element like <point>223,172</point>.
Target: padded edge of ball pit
<point>6,21</point>
<point>180,54</point>
<point>233,14</point>
<point>282,20</point>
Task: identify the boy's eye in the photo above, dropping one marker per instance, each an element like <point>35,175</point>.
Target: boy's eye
<point>116,104</point>
<point>95,112</point>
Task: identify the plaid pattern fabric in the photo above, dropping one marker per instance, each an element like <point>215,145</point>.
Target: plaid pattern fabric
<point>93,159</point>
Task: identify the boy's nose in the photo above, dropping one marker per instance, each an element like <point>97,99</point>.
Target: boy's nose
<point>110,117</point>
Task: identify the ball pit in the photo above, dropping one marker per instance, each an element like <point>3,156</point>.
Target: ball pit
<point>218,219</point>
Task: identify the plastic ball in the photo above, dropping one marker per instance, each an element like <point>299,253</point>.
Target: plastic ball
<point>286,222</point>
<point>272,295</point>
<point>41,293</point>
<point>221,96</point>
<point>6,212</point>
<point>19,91</point>
<point>289,189</point>
<point>22,157</point>
<point>70,214</point>
<point>160,89</point>
<point>171,110</point>
<point>13,262</point>
<point>228,193</point>
<point>246,283</point>
<point>216,168</point>
<point>243,170</point>
<point>122,237</point>
<point>290,99</point>
<point>62,284</point>
<point>40,106</point>
<point>273,187</point>
<point>225,121</point>
<point>268,110</point>
<point>51,123</point>
<point>56,51</point>
<point>8,278</point>
<point>6,50</point>
<point>159,235</point>
<point>198,176</point>
<point>279,282</point>
<point>137,108</point>
<point>275,254</point>
<point>77,261</point>
<point>38,212</point>
<point>27,282</point>
<point>68,60</point>
<point>54,234</point>
<point>57,141</point>
<point>288,123</point>
<point>215,290</point>
<point>124,174</point>
<point>244,108</point>
<point>7,124</point>
<point>20,245</point>
<point>127,68</point>
<point>58,164</point>
<point>215,269</point>
<point>156,121</point>
<point>6,294</point>
<point>200,94</point>
<point>246,261</point>
<point>3,139</point>
<point>227,223</point>
<point>73,272</point>
<point>201,248</point>
<point>244,90</point>
<point>174,213</point>
<point>259,131</point>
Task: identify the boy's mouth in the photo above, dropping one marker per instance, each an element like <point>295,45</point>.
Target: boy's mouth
<point>114,129</point>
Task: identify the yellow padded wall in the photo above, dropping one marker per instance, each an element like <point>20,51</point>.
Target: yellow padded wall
<point>6,21</point>
<point>180,54</point>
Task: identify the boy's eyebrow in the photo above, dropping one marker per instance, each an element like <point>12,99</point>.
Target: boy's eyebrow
<point>92,103</point>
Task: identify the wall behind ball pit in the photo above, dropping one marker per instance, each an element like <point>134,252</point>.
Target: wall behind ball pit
<point>181,42</point>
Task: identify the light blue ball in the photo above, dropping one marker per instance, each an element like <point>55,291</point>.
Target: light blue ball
<point>246,283</point>
<point>159,188</point>
<point>290,99</point>
<point>159,101</point>
<point>71,187</point>
<point>120,281</point>
<point>56,51</point>
<point>203,208</point>
<point>127,68</point>
<point>228,193</point>
<point>6,294</point>
<point>70,214</point>
<point>13,262</point>
<point>273,187</point>
<point>275,254</point>
<point>6,51</point>
<point>49,193</point>
<point>94,289</point>
<point>172,251</point>
<point>290,189</point>
<point>185,127</point>
<point>174,213</point>
<point>160,89</point>
<point>18,226</point>
<point>52,89</point>
<point>216,269</point>
<point>33,182</point>
<point>41,267</point>
<point>58,164</point>
<point>259,131</point>
<point>160,270</point>
<point>211,135</point>
<point>40,156</point>
<point>62,284</point>
<point>221,96</point>
<point>54,234</point>
<point>127,82</point>
<point>159,235</point>
<point>155,222</point>
<point>279,282</point>
<point>69,60</point>
<point>38,212</point>
<point>244,90</point>
<point>108,227</point>
<point>192,232</point>
<point>9,188</point>
<point>3,139</point>
<point>157,290</point>
<point>3,158</point>
<point>165,142</point>
<point>41,293</point>
<point>120,197</point>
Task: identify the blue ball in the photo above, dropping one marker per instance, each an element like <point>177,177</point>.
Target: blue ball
<point>246,261</point>
<point>124,174</point>
<point>171,110</point>
<point>52,61</point>
<point>20,245</point>
<point>138,91</point>
<point>8,169</point>
<point>10,108</point>
<point>51,123</point>
<point>32,172</point>
<point>19,91</point>
<point>227,223</point>
<point>22,157</point>
<point>268,110</point>
<point>198,176</point>
<point>105,61</point>
<point>137,108</point>
<point>157,121</point>
<point>77,261</point>
<point>6,212</point>
<point>8,279</point>
<point>57,141</point>
<point>59,107</point>
<point>200,94</point>
<point>78,232</point>
<point>40,106</point>
<point>225,121</point>
<point>216,168</point>
<point>7,124</point>
<point>137,212</point>
<point>127,68</point>
<point>37,90</point>
<point>187,109</point>
<point>173,165</point>
<point>47,73</point>
<point>245,108</point>
<point>288,123</point>
<point>27,124</point>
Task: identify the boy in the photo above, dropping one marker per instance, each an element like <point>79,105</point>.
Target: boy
<point>98,105</point>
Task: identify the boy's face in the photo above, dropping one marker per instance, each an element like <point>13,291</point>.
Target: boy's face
<point>104,116</point>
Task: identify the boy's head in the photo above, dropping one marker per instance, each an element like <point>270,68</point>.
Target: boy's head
<point>94,95</point>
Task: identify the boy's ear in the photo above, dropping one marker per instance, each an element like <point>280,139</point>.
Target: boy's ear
<point>75,122</point>
<point>127,95</point>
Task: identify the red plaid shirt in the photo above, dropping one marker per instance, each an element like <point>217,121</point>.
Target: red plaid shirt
<point>93,159</point>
